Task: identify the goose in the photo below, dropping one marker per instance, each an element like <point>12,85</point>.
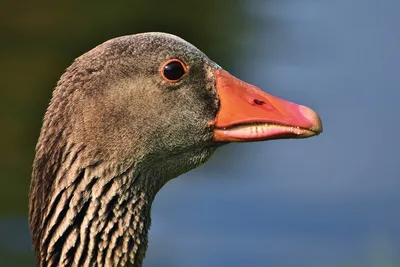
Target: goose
<point>124,119</point>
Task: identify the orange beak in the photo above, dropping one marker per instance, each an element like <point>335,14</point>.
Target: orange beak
<point>248,114</point>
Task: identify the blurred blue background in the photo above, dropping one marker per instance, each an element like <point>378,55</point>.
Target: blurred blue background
<point>328,201</point>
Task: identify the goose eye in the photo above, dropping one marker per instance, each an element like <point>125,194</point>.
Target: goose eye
<point>173,70</point>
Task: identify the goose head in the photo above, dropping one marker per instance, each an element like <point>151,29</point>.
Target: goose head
<point>126,117</point>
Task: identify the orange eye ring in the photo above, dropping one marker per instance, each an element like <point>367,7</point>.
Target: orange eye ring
<point>173,70</point>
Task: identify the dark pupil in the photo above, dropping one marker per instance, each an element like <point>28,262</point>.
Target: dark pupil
<point>174,70</point>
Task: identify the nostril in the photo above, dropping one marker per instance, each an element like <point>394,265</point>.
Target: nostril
<point>258,102</point>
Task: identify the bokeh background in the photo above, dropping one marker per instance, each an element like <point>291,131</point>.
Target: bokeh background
<point>327,201</point>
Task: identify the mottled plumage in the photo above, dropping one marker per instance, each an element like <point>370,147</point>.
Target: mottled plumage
<point>109,142</point>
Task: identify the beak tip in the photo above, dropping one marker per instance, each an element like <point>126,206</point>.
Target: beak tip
<point>312,116</point>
